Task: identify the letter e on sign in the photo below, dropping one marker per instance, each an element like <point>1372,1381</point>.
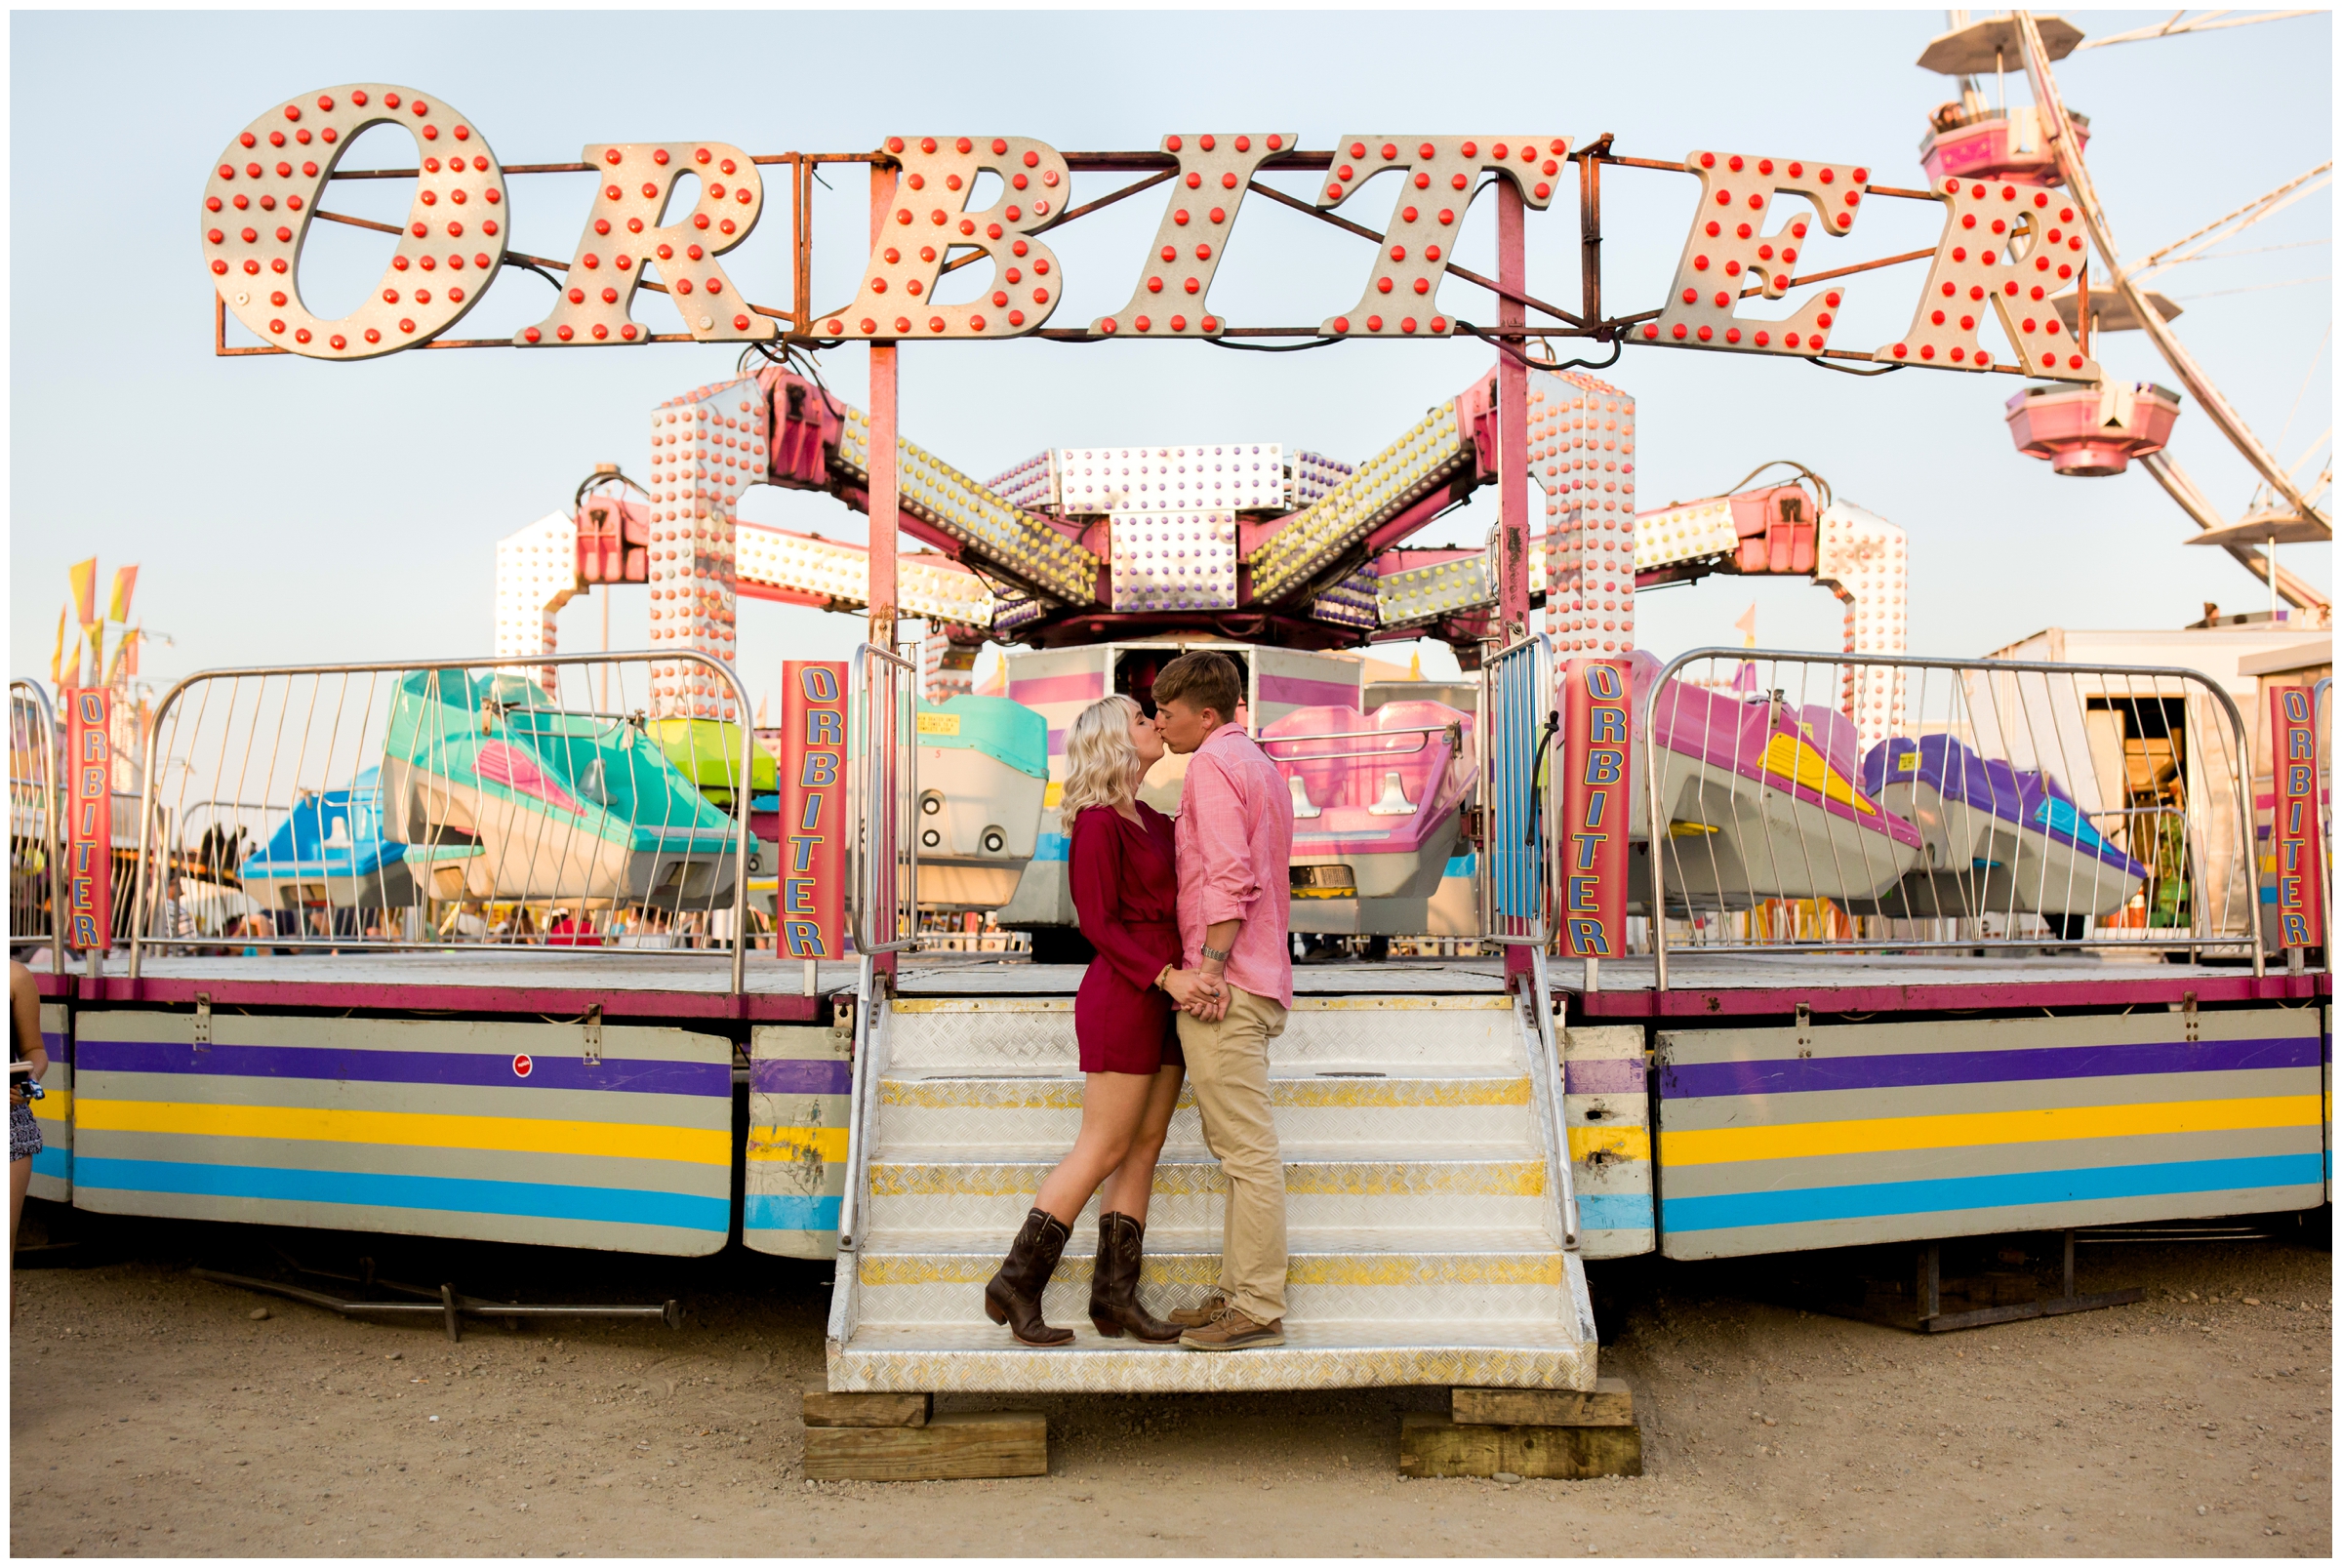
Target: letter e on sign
<point>264,192</point>
<point>1728,249</point>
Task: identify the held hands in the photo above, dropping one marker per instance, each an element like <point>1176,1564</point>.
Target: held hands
<point>1197,991</point>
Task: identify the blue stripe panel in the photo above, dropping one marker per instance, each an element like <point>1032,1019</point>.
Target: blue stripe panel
<point>1614,1211</point>
<point>1869,1200</point>
<point>451,1068</point>
<point>1053,847</point>
<point>1780,1075</point>
<point>54,1162</point>
<point>774,1211</point>
<point>1464,865</point>
<point>801,1075</point>
<point>536,1200</point>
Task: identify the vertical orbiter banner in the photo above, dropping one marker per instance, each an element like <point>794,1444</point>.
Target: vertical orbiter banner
<point>90,822</point>
<point>811,918</point>
<point>2295,836</point>
<point>1595,807</point>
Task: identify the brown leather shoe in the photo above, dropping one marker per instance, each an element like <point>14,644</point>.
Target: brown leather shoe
<point>1232,1329</point>
<point>1013,1296</point>
<point>1196,1317</point>
<point>1114,1285</point>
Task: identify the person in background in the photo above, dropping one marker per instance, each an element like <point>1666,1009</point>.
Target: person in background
<point>1235,851</point>
<point>25,1044</point>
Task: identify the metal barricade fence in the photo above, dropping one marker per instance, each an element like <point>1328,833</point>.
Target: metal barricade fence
<point>1880,803</point>
<point>35,849</point>
<point>1516,723</point>
<point>456,803</point>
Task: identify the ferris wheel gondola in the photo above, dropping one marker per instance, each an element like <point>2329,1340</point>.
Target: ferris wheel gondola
<point>2096,430</point>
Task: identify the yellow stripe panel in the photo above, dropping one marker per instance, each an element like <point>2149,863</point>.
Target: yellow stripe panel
<point>1626,1142</point>
<point>789,1144</point>
<point>55,1106</point>
<point>407,1128</point>
<point>1892,1133</point>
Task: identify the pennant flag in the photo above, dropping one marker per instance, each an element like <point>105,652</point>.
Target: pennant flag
<point>84,581</point>
<point>56,660</point>
<point>125,662</point>
<point>1746,626</point>
<point>126,579</point>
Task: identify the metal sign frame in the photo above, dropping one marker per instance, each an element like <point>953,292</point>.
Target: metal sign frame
<point>2002,240</point>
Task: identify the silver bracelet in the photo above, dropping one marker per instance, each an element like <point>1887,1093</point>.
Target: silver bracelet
<point>1216,955</point>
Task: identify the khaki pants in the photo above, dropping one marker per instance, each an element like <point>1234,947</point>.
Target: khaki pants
<point>1228,1065</point>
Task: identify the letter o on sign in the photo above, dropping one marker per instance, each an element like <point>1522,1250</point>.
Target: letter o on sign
<point>522,1066</point>
<point>263,194</point>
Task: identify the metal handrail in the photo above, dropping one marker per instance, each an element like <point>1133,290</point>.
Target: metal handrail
<point>876,850</point>
<point>1553,1118</point>
<point>2240,783</point>
<point>143,890</point>
<point>50,812</point>
<point>1422,733</point>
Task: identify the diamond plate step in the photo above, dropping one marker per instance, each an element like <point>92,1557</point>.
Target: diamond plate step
<point>1001,1034</point>
<point>1333,1354</point>
<point>1323,1190</point>
<point>1508,1276</point>
<point>933,1115</point>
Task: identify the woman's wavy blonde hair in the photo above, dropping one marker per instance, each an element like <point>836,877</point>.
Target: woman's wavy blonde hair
<point>1101,765</point>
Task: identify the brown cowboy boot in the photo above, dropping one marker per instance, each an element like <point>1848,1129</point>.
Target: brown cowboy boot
<point>1014,1294</point>
<point>1115,1284</point>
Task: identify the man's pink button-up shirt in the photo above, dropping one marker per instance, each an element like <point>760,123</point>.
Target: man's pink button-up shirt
<point>1235,857</point>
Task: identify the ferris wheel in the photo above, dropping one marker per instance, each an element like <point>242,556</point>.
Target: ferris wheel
<point>2096,430</point>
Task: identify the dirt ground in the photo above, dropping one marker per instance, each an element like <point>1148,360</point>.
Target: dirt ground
<point>153,1413</point>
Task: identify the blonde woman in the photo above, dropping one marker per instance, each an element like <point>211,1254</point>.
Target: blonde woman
<point>1124,868</point>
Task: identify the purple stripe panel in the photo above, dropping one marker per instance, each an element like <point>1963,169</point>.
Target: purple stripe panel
<point>451,1069</point>
<point>1782,1076</point>
<point>1604,1076</point>
<point>801,1075</point>
<point>1087,688</point>
<point>1301,693</point>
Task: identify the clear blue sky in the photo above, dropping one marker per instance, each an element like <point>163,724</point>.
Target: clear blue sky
<point>285,510</point>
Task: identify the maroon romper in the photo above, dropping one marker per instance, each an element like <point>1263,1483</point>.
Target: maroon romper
<point>1125,879</point>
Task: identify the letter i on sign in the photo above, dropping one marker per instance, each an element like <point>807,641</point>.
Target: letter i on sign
<point>1594,809</point>
<point>810,913</point>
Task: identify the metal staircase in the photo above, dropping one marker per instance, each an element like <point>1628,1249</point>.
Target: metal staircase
<point>1426,1206</point>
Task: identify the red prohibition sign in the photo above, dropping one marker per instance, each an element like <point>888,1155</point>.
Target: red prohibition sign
<point>522,1066</point>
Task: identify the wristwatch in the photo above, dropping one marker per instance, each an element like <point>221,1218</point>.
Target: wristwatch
<point>1215,954</point>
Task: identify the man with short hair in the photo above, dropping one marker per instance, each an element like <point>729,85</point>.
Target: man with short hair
<point>1234,851</point>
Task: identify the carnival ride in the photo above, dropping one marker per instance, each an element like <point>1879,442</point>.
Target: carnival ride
<point>512,798</point>
<point>880,1108</point>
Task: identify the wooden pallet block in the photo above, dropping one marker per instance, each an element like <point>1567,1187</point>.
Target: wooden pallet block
<point>1433,1446</point>
<point>1611,1403</point>
<point>868,1409</point>
<point>979,1445</point>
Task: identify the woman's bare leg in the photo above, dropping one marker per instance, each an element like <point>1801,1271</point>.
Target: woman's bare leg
<point>1112,1105</point>
<point>1133,1182</point>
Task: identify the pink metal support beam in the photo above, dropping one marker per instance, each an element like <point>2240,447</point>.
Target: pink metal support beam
<point>1512,455</point>
<point>886,479</point>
